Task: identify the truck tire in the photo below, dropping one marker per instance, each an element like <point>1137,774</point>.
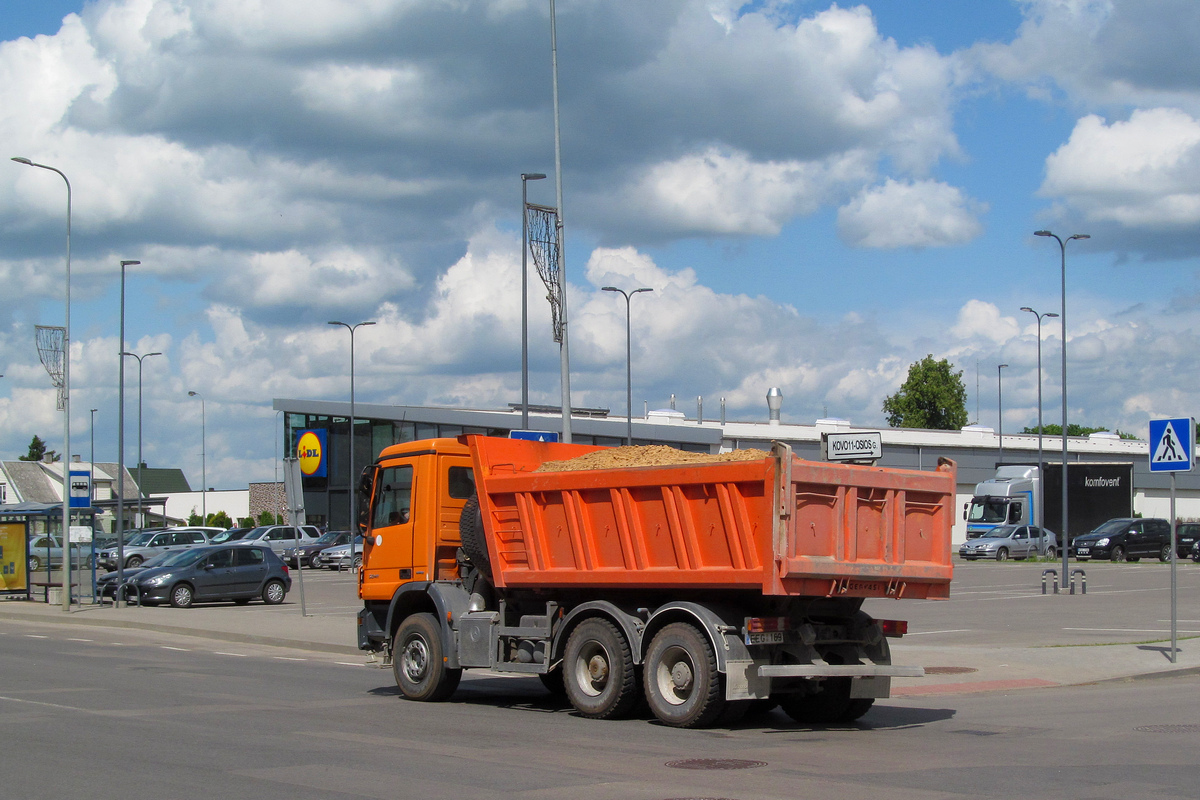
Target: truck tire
<point>598,671</point>
<point>419,663</point>
<point>831,703</point>
<point>683,687</point>
<point>470,531</point>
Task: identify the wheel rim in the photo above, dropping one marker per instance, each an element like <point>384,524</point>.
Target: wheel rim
<point>34,563</point>
<point>183,595</point>
<point>592,669</point>
<point>675,676</point>
<point>416,659</point>
<point>1118,554</point>
<point>1002,555</point>
<point>274,592</point>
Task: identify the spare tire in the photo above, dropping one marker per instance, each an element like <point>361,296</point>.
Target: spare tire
<point>470,530</point>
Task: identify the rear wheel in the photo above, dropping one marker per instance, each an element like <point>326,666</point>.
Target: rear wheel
<point>274,592</point>
<point>599,675</point>
<point>1051,552</point>
<point>683,687</point>
<point>419,663</point>
<point>133,562</point>
<point>1165,553</point>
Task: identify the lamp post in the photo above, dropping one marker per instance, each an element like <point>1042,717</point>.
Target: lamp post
<point>121,438</point>
<point>141,521</point>
<point>1041,465</point>
<point>1062,319</point>
<point>203,462</point>
<point>628,359</point>
<point>66,464</point>
<point>525,178</point>
<point>1000,404</point>
<point>350,488</point>
<point>92,481</point>
<point>563,350</point>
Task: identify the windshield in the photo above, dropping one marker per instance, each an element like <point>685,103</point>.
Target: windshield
<point>988,509</point>
<point>1110,527</point>
<point>328,538</point>
<point>1002,532</point>
<point>229,535</point>
<point>141,539</point>
<point>255,533</point>
<point>178,558</point>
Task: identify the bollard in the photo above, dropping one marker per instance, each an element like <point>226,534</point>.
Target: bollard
<point>1053,572</point>
<point>1082,581</point>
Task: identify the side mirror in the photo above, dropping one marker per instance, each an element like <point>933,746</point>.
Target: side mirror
<point>366,486</point>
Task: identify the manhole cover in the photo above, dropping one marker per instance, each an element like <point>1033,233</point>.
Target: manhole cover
<point>949,670</point>
<point>1168,729</point>
<point>715,763</point>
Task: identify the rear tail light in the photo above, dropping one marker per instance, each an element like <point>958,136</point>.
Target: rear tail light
<point>766,624</point>
<point>894,628</point>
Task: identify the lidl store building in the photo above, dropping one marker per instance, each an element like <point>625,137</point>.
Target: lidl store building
<point>976,450</point>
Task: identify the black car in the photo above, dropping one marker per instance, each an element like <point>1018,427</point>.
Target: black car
<point>299,556</point>
<point>220,572</point>
<point>1125,539</point>
<point>1186,536</point>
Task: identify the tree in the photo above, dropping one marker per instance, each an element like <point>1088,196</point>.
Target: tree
<point>1076,430</point>
<point>38,451</point>
<point>269,518</point>
<point>219,519</point>
<point>933,396</point>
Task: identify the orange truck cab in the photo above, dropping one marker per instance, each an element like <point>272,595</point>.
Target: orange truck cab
<point>707,589</point>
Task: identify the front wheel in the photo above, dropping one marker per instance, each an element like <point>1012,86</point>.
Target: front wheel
<point>419,663</point>
<point>181,596</point>
<point>133,562</point>
<point>1051,552</point>
<point>274,592</point>
<point>683,686</point>
<point>598,671</point>
<point>35,563</point>
<point>1118,553</point>
<point>1002,554</point>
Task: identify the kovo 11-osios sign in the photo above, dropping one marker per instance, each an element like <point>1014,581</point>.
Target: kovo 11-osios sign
<point>310,452</point>
<point>862,446</point>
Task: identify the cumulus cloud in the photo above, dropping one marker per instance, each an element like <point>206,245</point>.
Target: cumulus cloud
<point>910,214</point>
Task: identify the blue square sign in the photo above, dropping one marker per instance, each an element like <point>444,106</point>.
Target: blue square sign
<point>1171,444</point>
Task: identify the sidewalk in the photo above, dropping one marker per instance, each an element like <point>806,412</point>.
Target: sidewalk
<point>950,668</point>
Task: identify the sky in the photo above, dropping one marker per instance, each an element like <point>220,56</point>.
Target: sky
<point>818,194</point>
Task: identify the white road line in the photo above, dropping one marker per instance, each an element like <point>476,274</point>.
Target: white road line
<point>180,649</point>
<point>1126,630</point>
<point>288,658</point>
<point>35,636</point>
<point>349,663</point>
<point>40,703</point>
<point>927,633</point>
<point>79,640</point>
<point>236,655</point>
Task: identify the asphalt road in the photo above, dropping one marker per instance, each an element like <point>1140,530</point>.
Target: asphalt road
<point>105,713</point>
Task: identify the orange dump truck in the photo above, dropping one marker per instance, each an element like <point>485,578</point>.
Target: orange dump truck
<point>709,589</point>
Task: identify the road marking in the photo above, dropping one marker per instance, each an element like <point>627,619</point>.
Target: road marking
<point>35,636</point>
<point>236,655</point>
<point>1126,630</point>
<point>79,640</point>
<point>350,663</point>
<point>180,649</point>
<point>927,633</point>
<point>41,703</point>
<point>288,658</point>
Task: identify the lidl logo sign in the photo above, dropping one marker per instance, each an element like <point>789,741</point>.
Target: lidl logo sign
<point>310,451</point>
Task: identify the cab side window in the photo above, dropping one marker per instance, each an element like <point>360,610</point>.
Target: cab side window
<point>393,496</point>
<point>461,483</point>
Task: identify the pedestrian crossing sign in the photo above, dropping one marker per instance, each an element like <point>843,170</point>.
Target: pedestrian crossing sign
<point>1172,442</point>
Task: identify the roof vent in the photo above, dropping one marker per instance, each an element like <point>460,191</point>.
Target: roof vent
<point>774,403</point>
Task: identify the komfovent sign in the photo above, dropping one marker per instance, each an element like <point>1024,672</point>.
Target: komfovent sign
<point>852,446</point>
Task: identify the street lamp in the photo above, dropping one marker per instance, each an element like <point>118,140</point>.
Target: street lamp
<point>1062,319</point>
<point>350,488</point>
<point>564,358</point>
<point>141,520</point>
<point>121,437</point>
<point>1041,430</point>
<point>66,464</point>
<point>1000,404</point>
<point>525,178</point>
<point>92,482</point>
<point>203,462</point>
<point>628,359</point>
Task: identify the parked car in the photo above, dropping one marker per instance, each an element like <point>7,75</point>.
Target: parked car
<point>1011,541</point>
<point>44,550</point>
<point>1195,554</point>
<point>280,537</point>
<point>1186,536</point>
<point>212,572</point>
<point>303,554</point>
<point>338,557</point>
<point>1125,539</point>
<point>151,543</point>
<point>231,535</point>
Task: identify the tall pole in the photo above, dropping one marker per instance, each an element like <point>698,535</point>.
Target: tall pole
<point>351,489</point>
<point>1000,406</point>
<point>525,178</point>
<point>628,359</point>
<point>1062,318</point>
<point>66,456</point>
<point>203,461</point>
<point>1041,500</point>
<point>140,518</point>
<point>563,350</point>
<point>92,483</point>
<point>121,440</point>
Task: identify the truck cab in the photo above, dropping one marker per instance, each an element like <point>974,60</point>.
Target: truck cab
<point>1010,498</point>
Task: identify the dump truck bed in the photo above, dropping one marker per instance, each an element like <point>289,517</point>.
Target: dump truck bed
<point>777,525</point>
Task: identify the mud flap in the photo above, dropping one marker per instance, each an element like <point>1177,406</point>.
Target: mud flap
<point>878,686</point>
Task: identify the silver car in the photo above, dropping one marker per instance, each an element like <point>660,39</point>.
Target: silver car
<point>279,537</point>
<point>151,543</point>
<point>1011,541</point>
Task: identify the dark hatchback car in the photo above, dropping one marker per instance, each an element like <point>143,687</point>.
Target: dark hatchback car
<point>1125,539</point>
<point>220,572</point>
<point>303,555</point>
<point>1187,534</point>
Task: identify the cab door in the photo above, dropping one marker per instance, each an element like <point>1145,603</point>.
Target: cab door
<point>388,552</point>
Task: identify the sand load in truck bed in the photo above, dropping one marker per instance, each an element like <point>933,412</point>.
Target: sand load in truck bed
<point>773,523</point>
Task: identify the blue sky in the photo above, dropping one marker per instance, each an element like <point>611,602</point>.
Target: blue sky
<point>819,195</point>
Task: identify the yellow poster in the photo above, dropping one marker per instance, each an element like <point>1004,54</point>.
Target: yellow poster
<point>13,558</point>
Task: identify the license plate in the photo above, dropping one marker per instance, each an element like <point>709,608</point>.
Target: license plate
<point>767,637</point>
<point>1083,551</point>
